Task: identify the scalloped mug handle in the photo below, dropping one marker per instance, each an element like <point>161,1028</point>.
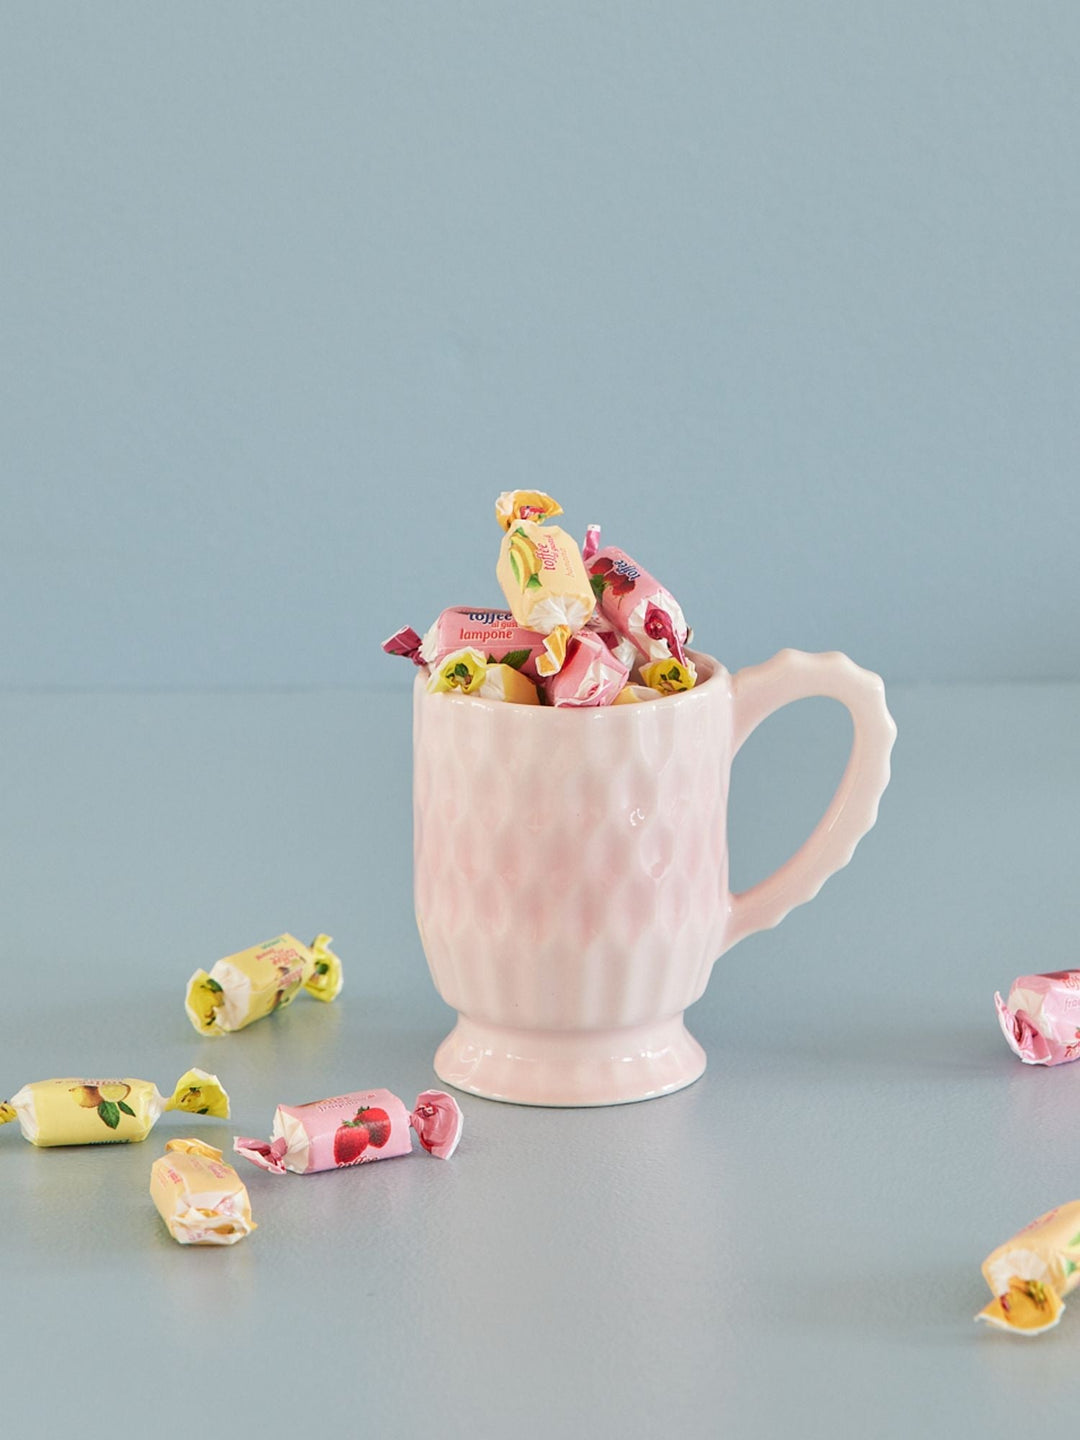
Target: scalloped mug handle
<point>757,692</point>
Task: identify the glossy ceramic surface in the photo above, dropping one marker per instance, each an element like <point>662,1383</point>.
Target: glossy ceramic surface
<point>571,871</point>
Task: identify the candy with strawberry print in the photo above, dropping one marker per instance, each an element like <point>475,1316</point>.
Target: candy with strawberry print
<point>1041,1018</point>
<point>352,1129</point>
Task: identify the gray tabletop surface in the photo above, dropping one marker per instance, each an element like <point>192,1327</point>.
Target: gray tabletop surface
<point>789,1247</point>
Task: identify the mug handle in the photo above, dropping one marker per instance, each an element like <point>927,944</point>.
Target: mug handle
<point>757,692</point>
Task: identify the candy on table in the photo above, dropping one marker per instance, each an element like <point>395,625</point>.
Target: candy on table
<point>97,1112</point>
<point>468,673</point>
<point>199,1195</point>
<point>1030,1275</point>
<point>353,1129</point>
<point>1041,1019</point>
<point>244,987</point>
<point>591,675</point>
<point>635,603</point>
<point>540,569</point>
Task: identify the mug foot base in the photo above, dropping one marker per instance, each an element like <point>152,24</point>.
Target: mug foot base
<point>569,1067</point>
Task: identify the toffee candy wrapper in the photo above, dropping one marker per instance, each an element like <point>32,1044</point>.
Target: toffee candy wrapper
<point>1041,1019</point>
<point>632,694</point>
<point>591,675</point>
<point>468,672</point>
<point>352,1129</point>
<point>540,567</point>
<point>200,1197</point>
<point>405,642</point>
<point>637,605</point>
<point>101,1112</point>
<point>244,987</point>
<point>495,632</point>
<point>1030,1275</point>
<point>463,627</point>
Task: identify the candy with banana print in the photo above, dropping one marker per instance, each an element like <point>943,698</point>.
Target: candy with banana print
<point>540,567</point>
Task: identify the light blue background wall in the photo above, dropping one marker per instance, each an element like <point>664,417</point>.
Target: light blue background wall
<point>784,294</point>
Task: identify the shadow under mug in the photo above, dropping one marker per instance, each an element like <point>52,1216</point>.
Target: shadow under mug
<point>571,871</point>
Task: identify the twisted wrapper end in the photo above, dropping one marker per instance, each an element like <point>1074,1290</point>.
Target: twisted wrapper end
<point>438,1121</point>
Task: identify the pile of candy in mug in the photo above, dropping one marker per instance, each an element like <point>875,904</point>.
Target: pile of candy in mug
<point>201,1199</point>
<point>585,626</point>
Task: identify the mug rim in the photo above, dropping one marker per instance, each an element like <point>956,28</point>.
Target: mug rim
<point>716,671</point>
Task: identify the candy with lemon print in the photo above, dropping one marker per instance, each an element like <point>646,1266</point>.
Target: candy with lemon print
<point>668,677</point>
<point>254,983</point>
<point>469,673</point>
<point>96,1111</point>
<point>109,1099</point>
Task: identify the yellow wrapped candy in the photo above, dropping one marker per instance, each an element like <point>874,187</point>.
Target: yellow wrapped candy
<point>1030,1275</point>
<point>244,987</point>
<point>202,1199</point>
<point>668,677</point>
<point>469,672</point>
<point>541,570</point>
<point>100,1112</point>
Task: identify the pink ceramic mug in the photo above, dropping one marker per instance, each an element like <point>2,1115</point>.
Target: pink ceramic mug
<point>572,871</point>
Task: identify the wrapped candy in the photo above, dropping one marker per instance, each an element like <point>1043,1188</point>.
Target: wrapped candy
<point>405,642</point>
<point>632,694</point>
<point>622,648</point>
<point>353,1129</point>
<point>463,627</point>
<point>469,673</point>
<point>100,1112</point>
<point>1030,1275</point>
<point>244,987</point>
<point>636,604</point>
<point>668,677</point>
<point>591,675</point>
<point>1041,1020</point>
<point>540,569</point>
<point>202,1199</point>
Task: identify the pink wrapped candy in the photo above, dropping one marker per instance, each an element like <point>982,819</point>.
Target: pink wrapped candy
<point>352,1129</point>
<point>637,605</point>
<point>591,673</point>
<point>462,627</point>
<point>622,648</point>
<point>1041,1020</point>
